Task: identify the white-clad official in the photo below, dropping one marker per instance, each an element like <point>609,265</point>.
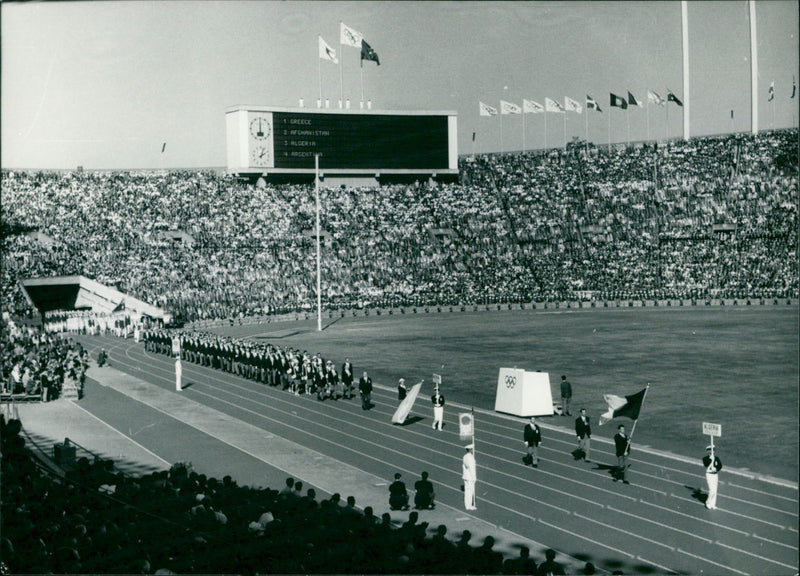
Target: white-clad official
<point>178,374</point>
<point>438,410</point>
<point>469,476</point>
<point>713,465</point>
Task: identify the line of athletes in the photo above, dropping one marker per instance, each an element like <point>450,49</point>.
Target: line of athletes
<point>287,368</point>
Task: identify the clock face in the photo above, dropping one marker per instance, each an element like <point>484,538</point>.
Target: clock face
<point>260,128</point>
<point>260,156</point>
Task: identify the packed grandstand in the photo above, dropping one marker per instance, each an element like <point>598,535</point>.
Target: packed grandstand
<point>709,217</point>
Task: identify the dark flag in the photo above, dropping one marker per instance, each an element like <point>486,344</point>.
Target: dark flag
<point>771,92</point>
<point>794,88</point>
<point>163,147</point>
<point>626,407</point>
<point>632,100</point>
<point>672,98</point>
<point>591,103</point>
<point>618,102</point>
<point>473,136</point>
<point>367,53</point>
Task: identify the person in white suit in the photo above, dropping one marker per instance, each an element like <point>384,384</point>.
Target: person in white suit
<point>469,476</point>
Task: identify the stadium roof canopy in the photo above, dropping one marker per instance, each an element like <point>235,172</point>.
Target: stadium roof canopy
<point>81,293</point>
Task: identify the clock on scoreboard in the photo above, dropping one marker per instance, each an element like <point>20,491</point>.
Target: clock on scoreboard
<point>287,140</point>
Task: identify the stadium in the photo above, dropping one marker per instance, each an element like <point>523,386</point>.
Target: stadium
<point>201,366</point>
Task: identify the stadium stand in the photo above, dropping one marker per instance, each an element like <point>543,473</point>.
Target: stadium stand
<point>704,218</point>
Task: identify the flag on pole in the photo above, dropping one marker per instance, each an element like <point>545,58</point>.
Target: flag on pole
<point>509,108</point>
<point>400,415</point>
<point>350,37</point>
<point>163,147</point>
<point>771,92</point>
<point>632,100</point>
<point>553,106</point>
<point>572,105</point>
<point>672,98</point>
<point>654,98</point>
<point>618,102</point>
<point>326,52</point>
<point>622,407</point>
<point>466,426</point>
<point>794,88</point>
<point>591,103</point>
<point>486,110</point>
<point>531,107</point>
<point>367,53</point>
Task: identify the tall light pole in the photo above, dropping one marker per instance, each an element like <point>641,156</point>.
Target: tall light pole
<point>319,272</point>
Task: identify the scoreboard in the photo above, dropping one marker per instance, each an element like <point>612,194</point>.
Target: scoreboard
<point>286,140</point>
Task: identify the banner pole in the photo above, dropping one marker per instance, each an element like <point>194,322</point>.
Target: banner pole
<point>475,493</point>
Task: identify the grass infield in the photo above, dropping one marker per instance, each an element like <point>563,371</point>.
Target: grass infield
<point>734,366</point>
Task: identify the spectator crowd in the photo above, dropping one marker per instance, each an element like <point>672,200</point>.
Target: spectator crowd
<point>99,521</point>
<point>708,217</point>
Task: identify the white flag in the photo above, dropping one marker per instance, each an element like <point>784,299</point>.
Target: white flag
<point>553,106</point>
<point>350,37</point>
<point>486,110</point>
<point>572,105</point>
<point>466,426</point>
<point>531,107</point>
<point>509,108</point>
<point>326,52</point>
<point>654,98</point>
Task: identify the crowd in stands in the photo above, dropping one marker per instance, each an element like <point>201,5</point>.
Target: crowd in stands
<point>36,364</point>
<point>707,217</point>
<point>99,521</point>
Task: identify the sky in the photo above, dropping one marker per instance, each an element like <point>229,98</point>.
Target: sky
<point>105,85</point>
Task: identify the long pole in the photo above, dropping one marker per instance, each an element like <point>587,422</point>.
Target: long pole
<point>501,132</point>
<point>475,492</point>
<point>319,73</point>
<point>362,82</point>
<point>687,100</point>
<point>753,68</point>
<point>565,130</point>
<point>523,129</point>
<point>319,258</point>
<point>341,67</point>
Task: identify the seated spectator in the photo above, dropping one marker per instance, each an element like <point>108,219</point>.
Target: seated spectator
<point>424,494</point>
<point>398,496</point>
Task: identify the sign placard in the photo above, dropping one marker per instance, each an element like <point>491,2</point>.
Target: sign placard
<point>712,429</point>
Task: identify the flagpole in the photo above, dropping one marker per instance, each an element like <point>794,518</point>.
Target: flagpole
<point>319,71</point>
<point>609,127</point>
<point>647,111</point>
<point>362,82</point>
<point>341,66</point>
<point>523,127</point>
<point>565,129</point>
<point>501,129</point>
<point>475,455</point>
<point>633,428</point>
<point>545,131</point>
<point>586,129</point>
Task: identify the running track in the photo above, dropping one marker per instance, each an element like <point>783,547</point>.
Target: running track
<point>657,524</point>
